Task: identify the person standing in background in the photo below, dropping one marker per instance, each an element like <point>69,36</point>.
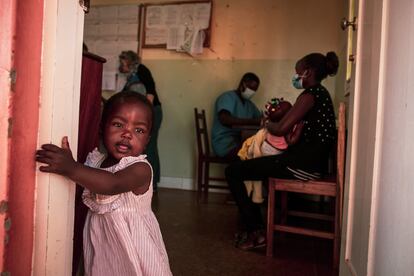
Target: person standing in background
<point>140,80</point>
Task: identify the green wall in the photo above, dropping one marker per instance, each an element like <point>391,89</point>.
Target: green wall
<point>263,36</point>
<point>185,84</point>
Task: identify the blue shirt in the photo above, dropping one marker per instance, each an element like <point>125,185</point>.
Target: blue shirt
<point>223,138</point>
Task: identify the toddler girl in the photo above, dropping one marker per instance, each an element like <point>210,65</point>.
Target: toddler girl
<point>121,234</point>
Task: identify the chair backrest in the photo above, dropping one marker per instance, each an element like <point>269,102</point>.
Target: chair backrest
<point>203,143</point>
<point>340,155</point>
<point>341,143</point>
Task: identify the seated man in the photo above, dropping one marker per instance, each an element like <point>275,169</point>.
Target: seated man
<point>234,108</point>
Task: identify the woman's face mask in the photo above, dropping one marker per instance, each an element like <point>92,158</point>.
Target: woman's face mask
<point>247,93</point>
<point>297,80</point>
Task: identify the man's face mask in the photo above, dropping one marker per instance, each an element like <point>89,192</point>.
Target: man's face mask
<point>247,93</point>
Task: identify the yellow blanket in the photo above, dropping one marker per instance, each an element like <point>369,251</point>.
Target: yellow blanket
<point>251,148</point>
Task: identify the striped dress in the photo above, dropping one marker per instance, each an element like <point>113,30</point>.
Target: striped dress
<point>121,234</point>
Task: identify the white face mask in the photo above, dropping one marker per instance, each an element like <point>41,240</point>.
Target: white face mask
<point>247,93</point>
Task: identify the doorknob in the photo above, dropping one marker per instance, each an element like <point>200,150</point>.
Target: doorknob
<point>345,23</point>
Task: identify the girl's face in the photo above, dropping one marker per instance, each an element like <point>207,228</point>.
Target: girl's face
<point>127,130</point>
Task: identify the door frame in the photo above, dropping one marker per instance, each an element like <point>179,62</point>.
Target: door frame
<point>58,116</point>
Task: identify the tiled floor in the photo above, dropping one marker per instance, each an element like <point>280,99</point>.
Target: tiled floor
<point>199,241</point>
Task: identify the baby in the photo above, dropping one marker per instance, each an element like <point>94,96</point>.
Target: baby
<point>264,143</point>
<point>275,109</point>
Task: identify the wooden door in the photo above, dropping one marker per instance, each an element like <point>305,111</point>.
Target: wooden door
<point>363,80</point>
<point>378,235</point>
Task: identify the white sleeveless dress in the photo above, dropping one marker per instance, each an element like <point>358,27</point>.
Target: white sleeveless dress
<point>121,235</point>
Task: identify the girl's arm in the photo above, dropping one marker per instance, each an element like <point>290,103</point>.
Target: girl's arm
<point>302,105</point>
<point>135,178</point>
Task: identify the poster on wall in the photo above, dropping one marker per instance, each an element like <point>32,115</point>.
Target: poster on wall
<point>109,30</point>
<point>184,27</point>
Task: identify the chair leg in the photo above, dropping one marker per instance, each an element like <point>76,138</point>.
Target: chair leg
<point>337,234</point>
<point>336,253</point>
<point>199,177</point>
<point>270,219</point>
<point>283,207</point>
<point>206,177</point>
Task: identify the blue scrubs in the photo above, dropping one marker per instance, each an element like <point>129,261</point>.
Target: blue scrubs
<point>223,138</point>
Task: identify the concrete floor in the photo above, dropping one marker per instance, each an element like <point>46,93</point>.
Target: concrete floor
<point>199,241</point>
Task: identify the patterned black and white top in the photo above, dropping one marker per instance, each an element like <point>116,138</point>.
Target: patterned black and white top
<point>308,158</point>
<point>320,120</point>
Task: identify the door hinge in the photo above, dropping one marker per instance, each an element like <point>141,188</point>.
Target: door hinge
<point>85,4</point>
<point>345,24</point>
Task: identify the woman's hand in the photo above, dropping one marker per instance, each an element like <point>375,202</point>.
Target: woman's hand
<point>58,160</point>
<point>264,121</point>
<point>293,137</point>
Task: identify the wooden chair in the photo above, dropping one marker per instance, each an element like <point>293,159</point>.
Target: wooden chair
<point>332,187</point>
<point>205,157</point>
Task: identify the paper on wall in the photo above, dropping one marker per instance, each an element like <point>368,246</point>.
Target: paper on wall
<point>108,80</point>
<point>171,14</point>
<point>154,16</point>
<point>106,48</point>
<point>202,15</point>
<point>108,31</point>
<point>123,45</point>
<point>177,26</point>
<point>108,14</point>
<point>128,14</point>
<point>111,64</point>
<point>193,41</point>
<point>120,81</point>
<point>91,31</point>
<point>186,16</point>
<point>175,37</point>
<point>128,31</point>
<point>154,36</point>
<point>92,17</point>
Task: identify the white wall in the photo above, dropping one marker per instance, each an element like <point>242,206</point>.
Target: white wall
<point>378,238</point>
<point>393,240</point>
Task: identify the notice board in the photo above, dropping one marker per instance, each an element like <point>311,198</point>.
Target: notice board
<point>109,30</point>
<point>177,25</point>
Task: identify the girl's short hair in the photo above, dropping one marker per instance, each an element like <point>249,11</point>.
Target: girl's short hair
<point>323,65</point>
<point>124,97</point>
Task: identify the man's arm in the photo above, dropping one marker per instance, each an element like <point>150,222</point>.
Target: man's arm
<point>228,120</point>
